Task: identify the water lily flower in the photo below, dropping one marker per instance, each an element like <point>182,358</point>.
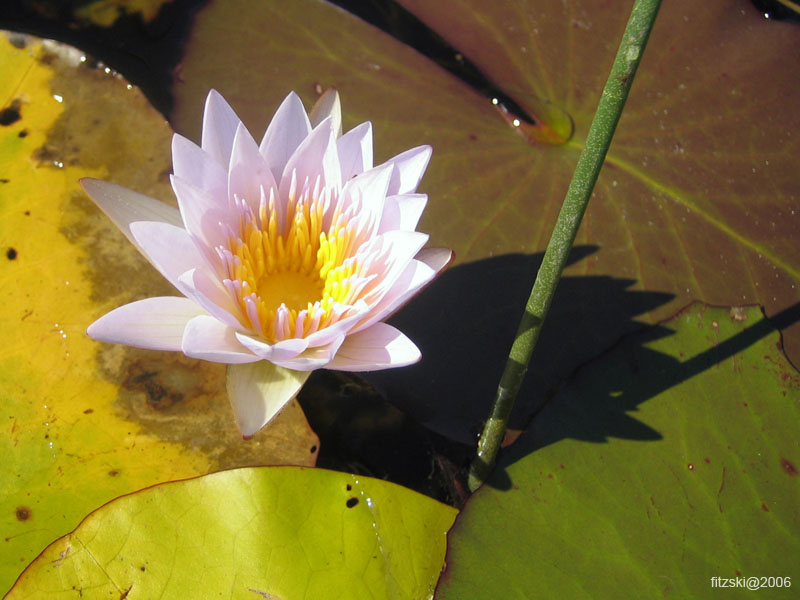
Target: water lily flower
<point>289,254</point>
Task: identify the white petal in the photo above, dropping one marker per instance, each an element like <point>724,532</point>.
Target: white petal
<point>315,156</point>
<point>207,292</point>
<point>208,339</point>
<point>436,258</point>
<point>248,172</point>
<point>201,213</point>
<point>368,190</point>
<point>416,275</point>
<point>313,358</point>
<point>170,249</point>
<point>258,391</point>
<point>330,333</point>
<point>379,347</point>
<point>124,206</point>
<point>402,212</point>
<point>192,164</point>
<point>328,105</point>
<point>288,128</point>
<point>409,168</point>
<point>355,150</point>
<point>154,323</point>
<point>388,255</point>
<point>283,350</point>
<point>219,127</point>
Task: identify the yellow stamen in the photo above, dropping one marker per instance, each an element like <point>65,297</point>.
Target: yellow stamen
<point>302,268</point>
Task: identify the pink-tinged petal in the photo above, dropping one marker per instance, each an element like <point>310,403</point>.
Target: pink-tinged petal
<point>426,266</point>
<point>283,350</point>
<point>313,358</point>
<point>330,333</point>
<point>327,105</point>
<point>154,323</point>
<point>124,206</point>
<point>355,150</point>
<point>368,192</point>
<point>288,128</point>
<point>170,249</point>
<point>191,163</point>
<point>415,276</point>
<point>258,391</point>
<point>436,258</point>
<point>248,172</point>
<point>201,214</point>
<point>207,292</point>
<point>207,338</point>
<point>379,347</point>
<point>397,248</point>
<point>409,168</point>
<point>402,212</point>
<point>219,127</point>
<point>315,157</point>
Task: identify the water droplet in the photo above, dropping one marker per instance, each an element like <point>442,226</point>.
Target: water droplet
<point>58,98</point>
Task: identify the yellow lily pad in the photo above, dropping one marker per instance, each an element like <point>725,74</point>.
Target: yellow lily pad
<point>87,422</point>
<point>284,533</point>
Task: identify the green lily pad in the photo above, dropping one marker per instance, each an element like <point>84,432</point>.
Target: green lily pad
<point>280,533</point>
<point>697,201</point>
<point>87,422</point>
<point>669,461</point>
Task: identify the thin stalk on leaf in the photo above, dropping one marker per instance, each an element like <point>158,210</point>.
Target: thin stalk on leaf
<point>590,161</point>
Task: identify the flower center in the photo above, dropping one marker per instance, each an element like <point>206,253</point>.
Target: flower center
<point>294,275</point>
<point>294,289</point>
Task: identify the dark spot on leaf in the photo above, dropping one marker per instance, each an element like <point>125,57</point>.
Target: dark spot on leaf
<point>708,461</point>
<point>142,568</point>
<point>349,487</point>
<point>27,213</point>
<point>11,254</point>
<point>313,449</point>
<point>5,180</point>
<point>155,392</point>
<point>10,114</point>
<point>788,467</point>
<point>88,411</point>
<point>23,513</point>
<point>351,502</point>
<point>17,40</point>
<point>764,507</point>
<point>473,137</point>
<point>23,133</point>
<point>113,473</point>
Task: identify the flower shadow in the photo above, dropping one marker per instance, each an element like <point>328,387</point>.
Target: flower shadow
<point>594,406</point>
<point>464,324</point>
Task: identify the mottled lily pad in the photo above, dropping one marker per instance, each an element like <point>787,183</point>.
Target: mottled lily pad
<point>87,422</point>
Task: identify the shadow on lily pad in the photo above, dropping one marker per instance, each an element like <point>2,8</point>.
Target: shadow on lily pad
<point>464,324</point>
<point>594,405</point>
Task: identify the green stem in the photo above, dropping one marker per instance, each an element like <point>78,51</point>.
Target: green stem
<point>588,168</point>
